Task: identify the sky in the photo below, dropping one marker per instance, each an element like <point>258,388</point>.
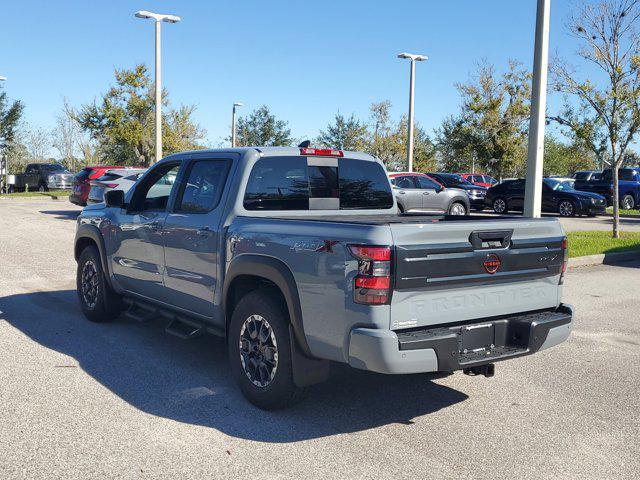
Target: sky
<point>305,60</point>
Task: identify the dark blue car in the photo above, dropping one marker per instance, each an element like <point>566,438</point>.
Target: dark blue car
<point>557,197</point>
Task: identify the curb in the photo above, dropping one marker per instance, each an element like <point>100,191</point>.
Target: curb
<point>43,197</point>
<point>604,259</point>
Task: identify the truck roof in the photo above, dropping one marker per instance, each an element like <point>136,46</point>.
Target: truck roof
<point>272,152</point>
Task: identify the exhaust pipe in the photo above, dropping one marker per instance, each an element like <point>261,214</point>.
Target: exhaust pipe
<point>487,370</point>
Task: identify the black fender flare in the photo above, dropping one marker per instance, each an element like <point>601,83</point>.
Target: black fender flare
<point>279,274</point>
<point>91,232</point>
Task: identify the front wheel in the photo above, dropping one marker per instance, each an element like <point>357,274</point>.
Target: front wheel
<point>457,208</point>
<point>42,188</point>
<point>98,301</point>
<point>566,208</point>
<point>260,351</point>
<point>627,202</point>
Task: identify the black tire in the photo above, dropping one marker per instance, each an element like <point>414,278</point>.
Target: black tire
<point>278,391</point>
<point>456,208</point>
<point>104,304</point>
<point>500,206</point>
<point>42,187</point>
<point>10,189</point>
<point>627,202</point>
<point>566,208</point>
<point>400,209</point>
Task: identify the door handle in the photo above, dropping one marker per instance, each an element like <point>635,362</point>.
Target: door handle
<point>155,225</point>
<point>204,231</point>
<point>425,193</point>
<point>401,192</point>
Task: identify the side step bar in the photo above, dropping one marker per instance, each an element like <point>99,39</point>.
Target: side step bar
<point>140,312</point>
<point>179,325</point>
<point>183,328</point>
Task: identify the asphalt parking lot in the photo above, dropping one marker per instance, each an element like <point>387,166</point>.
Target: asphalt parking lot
<point>125,400</point>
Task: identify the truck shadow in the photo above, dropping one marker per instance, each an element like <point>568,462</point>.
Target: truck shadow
<point>188,381</point>
<point>62,214</point>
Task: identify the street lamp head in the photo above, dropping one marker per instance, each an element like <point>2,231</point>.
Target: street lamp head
<point>2,79</point>
<point>158,17</point>
<point>413,56</point>
<point>238,104</point>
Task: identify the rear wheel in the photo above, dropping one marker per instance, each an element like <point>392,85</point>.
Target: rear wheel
<point>260,351</point>
<point>457,208</point>
<point>98,301</point>
<point>627,202</point>
<point>42,187</point>
<point>500,206</point>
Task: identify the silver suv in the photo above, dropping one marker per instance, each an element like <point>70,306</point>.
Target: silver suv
<point>417,192</point>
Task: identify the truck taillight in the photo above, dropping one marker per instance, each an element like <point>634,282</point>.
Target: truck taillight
<point>565,258</point>
<point>372,284</point>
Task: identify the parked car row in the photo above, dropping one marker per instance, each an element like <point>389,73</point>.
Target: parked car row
<point>454,194</point>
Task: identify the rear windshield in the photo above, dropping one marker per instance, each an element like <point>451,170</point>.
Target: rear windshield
<point>289,183</point>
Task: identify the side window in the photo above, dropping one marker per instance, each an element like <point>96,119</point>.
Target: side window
<point>30,169</point>
<point>426,183</point>
<point>626,175</point>
<point>278,183</point>
<point>405,182</point>
<point>154,193</point>
<point>515,185</point>
<point>203,188</point>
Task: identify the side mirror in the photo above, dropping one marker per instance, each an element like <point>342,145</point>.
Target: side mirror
<point>114,198</point>
<point>439,188</point>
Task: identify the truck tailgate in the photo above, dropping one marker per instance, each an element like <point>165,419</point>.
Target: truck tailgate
<point>452,271</point>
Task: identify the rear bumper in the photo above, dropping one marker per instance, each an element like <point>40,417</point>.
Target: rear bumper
<point>440,348</point>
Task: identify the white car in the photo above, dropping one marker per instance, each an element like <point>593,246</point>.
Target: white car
<point>116,179</point>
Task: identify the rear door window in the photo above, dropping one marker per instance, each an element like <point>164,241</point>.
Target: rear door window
<point>426,183</point>
<point>405,182</point>
<point>202,190</point>
<point>300,183</point>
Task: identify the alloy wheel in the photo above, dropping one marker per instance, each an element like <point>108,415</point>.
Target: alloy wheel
<point>458,209</point>
<point>627,202</point>
<point>258,350</point>
<point>499,205</point>
<point>565,208</point>
<point>89,284</point>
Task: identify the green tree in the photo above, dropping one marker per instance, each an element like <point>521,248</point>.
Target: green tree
<point>10,115</point>
<point>261,128</point>
<point>122,124</point>
<point>491,126</point>
<point>563,159</point>
<point>388,141</point>
<point>608,40</point>
<point>344,134</point>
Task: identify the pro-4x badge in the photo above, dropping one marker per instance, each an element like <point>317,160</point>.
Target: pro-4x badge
<point>492,263</point>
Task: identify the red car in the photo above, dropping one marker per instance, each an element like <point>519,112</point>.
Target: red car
<point>82,182</point>
<point>479,179</point>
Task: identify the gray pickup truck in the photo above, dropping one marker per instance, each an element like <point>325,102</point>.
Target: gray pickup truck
<point>298,257</point>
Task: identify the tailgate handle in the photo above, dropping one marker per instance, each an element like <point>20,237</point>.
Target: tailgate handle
<point>484,240</point>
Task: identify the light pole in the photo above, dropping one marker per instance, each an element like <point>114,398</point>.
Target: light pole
<point>233,123</point>
<point>159,18</point>
<point>3,162</point>
<point>414,58</point>
<point>535,155</point>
